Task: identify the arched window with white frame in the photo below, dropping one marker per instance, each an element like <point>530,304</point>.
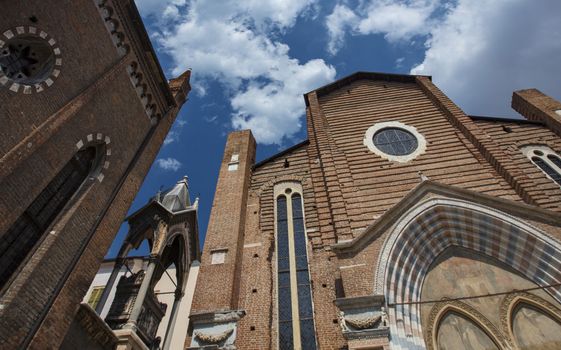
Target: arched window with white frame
<point>546,160</point>
<point>296,327</point>
<point>31,227</point>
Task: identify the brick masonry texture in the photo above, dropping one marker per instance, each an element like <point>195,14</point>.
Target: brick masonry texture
<point>226,227</point>
<point>93,95</point>
<point>347,188</point>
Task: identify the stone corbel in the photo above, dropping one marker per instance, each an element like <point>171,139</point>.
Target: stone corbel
<point>216,330</point>
<point>362,322</point>
<point>213,338</point>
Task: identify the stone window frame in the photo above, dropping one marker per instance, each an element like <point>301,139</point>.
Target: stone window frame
<point>531,151</point>
<point>95,296</point>
<point>509,307</point>
<point>288,189</point>
<point>218,256</point>
<point>27,89</point>
<point>41,247</point>
<point>371,131</point>
<point>441,309</point>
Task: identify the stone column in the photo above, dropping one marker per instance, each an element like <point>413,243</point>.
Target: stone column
<point>137,308</point>
<point>119,261</point>
<point>172,318</point>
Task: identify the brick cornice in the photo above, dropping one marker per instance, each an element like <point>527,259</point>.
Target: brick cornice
<point>490,150</point>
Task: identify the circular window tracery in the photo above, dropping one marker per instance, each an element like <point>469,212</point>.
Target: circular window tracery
<point>394,141</point>
<point>29,59</point>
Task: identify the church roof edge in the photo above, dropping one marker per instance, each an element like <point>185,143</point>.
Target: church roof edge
<point>504,119</point>
<point>281,153</point>
<point>324,90</point>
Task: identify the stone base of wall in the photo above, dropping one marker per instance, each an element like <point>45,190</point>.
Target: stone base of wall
<point>88,332</point>
<point>128,340</point>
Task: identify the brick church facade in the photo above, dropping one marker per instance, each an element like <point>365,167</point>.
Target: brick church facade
<point>400,223</point>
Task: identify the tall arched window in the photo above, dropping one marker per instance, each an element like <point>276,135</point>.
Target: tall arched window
<point>295,311</point>
<point>546,159</point>
<point>18,242</point>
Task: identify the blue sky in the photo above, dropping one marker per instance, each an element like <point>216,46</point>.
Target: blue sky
<point>252,60</point>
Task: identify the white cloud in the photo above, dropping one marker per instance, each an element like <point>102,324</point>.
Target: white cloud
<point>169,164</point>
<point>171,137</point>
<point>395,19</point>
<point>160,9</point>
<point>175,131</point>
<point>211,119</point>
<point>274,110</point>
<point>483,50</point>
<point>338,22</point>
<point>235,43</point>
<point>478,52</point>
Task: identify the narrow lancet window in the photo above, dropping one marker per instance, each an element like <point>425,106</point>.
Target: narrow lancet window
<point>295,311</point>
<point>284,295</point>
<point>24,234</point>
<point>305,311</point>
<point>546,160</point>
<point>546,168</point>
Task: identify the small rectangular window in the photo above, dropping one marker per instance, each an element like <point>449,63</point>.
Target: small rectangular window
<point>218,256</point>
<point>95,296</point>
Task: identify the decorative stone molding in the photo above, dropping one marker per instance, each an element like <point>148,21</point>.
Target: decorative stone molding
<point>515,147</point>
<point>158,239</point>
<point>363,317</point>
<point>215,329</point>
<point>362,322</point>
<point>511,301</point>
<point>304,180</point>
<point>440,310</point>
<point>52,72</point>
<point>95,327</point>
<point>369,142</point>
<point>137,80</point>
<point>116,31</point>
<point>213,338</point>
<point>435,224</point>
<point>217,317</point>
<point>113,26</point>
<point>97,139</point>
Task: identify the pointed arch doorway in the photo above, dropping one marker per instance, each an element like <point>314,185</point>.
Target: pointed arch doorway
<point>496,244</point>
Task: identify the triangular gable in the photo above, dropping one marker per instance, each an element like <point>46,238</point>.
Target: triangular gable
<point>326,89</point>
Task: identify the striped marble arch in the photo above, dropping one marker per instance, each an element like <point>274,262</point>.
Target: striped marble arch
<point>437,224</point>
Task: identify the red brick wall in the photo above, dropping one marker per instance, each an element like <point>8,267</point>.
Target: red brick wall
<point>92,95</point>
<point>218,284</point>
<point>376,184</point>
<point>511,136</point>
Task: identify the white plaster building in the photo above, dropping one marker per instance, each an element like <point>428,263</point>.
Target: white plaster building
<point>164,291</point>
